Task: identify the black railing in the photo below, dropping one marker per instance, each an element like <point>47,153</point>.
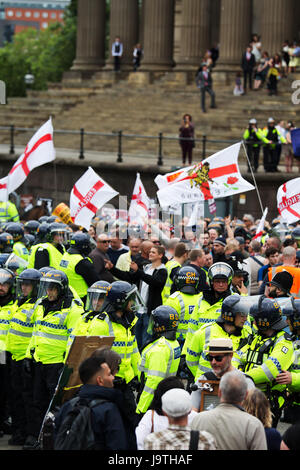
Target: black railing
<point>201,142</point>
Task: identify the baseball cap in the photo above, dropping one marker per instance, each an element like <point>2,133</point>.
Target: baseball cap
<point>176,402</point>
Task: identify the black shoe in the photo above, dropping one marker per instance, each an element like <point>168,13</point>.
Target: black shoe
<point>16,440</point>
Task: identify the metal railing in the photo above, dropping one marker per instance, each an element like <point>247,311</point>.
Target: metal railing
<point>119,136</point>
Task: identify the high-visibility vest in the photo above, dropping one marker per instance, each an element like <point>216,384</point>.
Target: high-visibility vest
<point>263,358</point>
<point>81,328</point>
<point>197,349</point>
<point>20,250</point>
<point>159,360</point>
<point>294,387</point>
<point>170,265</point>
<point>68,264</point>
<point>54,255</point>
<point>184,305</point>
<point>21,328</point>
<point>5,316</point>
<point>8,212</point>
<point>295,272</point>
<point>124,343</point>
<point>51,332</point>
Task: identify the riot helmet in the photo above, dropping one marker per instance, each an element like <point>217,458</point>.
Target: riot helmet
<point>230,308</point>
<point>220,271</point>
<point>95,295</point>
<point>6,242</point>
<point>57,233</point>
<point>54,285</point>
<point>187,280</point>
<point>7,282</point>
<point>293,314</point>
<point>267,314</point>
<point>81,242</point>
<point>31,227</point>
<point>16,230</point>
<point>163,322</point>
<point>27,283</point>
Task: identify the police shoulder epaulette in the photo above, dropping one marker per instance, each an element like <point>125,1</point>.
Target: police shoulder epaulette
<point>287,336</point>
<point>78,302</point>
<point>101,316</point>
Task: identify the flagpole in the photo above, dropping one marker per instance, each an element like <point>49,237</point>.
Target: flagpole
<point>250,166</point>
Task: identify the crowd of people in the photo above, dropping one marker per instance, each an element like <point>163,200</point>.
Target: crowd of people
<point>183,312</point>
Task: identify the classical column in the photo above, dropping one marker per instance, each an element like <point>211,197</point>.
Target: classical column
<point>90,46</point>
<point>124,22</point>
<point>235,30</point>
<point>158,35</point>
<point>195,33</point>
<point>277,23</point>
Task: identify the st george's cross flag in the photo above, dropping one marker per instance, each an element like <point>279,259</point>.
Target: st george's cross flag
<point>215,177</point>
<point>39,150</point>
<point>288,201</point>
<point>88,195</point>
<point>140,203</point>
<point>261,226</point>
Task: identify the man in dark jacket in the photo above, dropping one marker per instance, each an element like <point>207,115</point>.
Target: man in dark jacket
<point>204,83</point>
<point>97,374</point>
<point>99,257</point>
<point>248,64</point>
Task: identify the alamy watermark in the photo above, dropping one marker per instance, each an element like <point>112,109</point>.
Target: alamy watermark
<point>296,95</point>
<point>2,92</point>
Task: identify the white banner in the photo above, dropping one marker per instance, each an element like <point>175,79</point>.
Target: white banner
<point>288,201</point>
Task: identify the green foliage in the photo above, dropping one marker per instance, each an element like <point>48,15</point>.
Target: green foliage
<point>45,53</point>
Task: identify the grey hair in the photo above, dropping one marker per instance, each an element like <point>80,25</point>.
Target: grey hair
<point>233,387</point>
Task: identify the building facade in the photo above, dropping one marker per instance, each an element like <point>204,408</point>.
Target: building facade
<point>17,15</point>
<point>175,34</point>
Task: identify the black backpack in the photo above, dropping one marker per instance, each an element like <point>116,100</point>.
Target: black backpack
<point>75,432</point>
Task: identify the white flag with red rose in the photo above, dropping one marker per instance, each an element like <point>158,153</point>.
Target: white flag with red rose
<point>215,177</point>
<point>39,150</point>
<point>140,203</point>
<point>88,195</point>
<point>261,226</point>
<point>288,201</point>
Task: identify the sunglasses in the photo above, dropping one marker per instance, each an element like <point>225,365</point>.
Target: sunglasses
<point>104,241</point>
<point>217,358</point>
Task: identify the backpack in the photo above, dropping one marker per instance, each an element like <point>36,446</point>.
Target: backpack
<point>75,432</point>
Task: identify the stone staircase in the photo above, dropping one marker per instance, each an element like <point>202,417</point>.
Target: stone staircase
<point>124,103</point>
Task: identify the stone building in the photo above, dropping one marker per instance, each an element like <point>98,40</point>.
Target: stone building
<point>176,33</point>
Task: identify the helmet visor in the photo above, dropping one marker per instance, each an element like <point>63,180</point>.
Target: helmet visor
<point>95,299</point>
<point>26,288</point>
<point>15,263</point>
<point>49,288</point>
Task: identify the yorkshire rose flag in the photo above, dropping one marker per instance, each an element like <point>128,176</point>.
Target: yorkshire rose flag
<point>88,195</point>
<point>288,201</point>
<point>261,226</point>
<point>39,150</point>
<point>140,203</point>
<point>216,176</point>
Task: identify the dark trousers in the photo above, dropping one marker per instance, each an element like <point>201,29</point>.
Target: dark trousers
<point>248,76</point>
<point>117,63</point>
<point>5,390</point>
<point>270,159</point>
<point>187,151</point>
<point>45,380</point>
<point>253,154</point>
<point>22,400</point>
<point>208,90</point>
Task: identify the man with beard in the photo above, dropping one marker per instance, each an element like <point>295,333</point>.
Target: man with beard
<point>280,285</point>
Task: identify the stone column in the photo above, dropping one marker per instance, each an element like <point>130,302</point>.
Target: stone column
<point>124,22</point>
<point>90,48</point>
<point>235,30</point>
<point>195,33</point>
<point>277,23</point>
<point>158,35</point>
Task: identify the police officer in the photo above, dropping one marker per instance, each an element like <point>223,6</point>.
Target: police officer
<point>7,298</point>
<point>232,323</point>
<point>95,298</point>
<point>184,299</point>
<point>31,227</point>
<point>160,358</point>
<point>291,377</point>
<point>271,152</point>
<point>77,266</point>
<point>117,318</point>
<point>17,232</point>
<point>49,253</point>
<point>209,305</point>
<point>253,137</point>
<point>267,352</point>
<point>8,212</point>
<point>18,338</point>
<point>56,315</point>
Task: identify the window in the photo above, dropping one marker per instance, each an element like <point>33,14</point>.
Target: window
<point>36,14</point>
<point>45,14</point>
<point>45,24</point>
<point>53,15</point>
<point>10,13</point>
<point>18,14</point>
<point>28,14</point>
